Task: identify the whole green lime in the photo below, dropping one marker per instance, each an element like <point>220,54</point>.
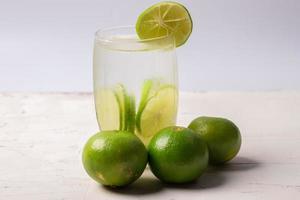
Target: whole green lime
<point>221,135</point>
<point>114,158</point>
<point>177,155</point>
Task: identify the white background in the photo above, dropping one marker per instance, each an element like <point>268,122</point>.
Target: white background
<point>46,45</point>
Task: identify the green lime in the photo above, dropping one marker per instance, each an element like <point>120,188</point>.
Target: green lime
<point>165,18</point>
<point>177,155</point>
<point>159,111</point>
<point>221,135</point>
<point>114,158</point>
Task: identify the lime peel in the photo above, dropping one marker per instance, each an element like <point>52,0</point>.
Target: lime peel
<point>163,19</point>
<point>157,109</point>
<point>126,108</point>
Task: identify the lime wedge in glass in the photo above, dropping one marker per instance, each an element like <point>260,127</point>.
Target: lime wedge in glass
<point>107,109</point>
<point>130,113</point>
<point>126,104</point>
<point>165,18</point>
<point>120,95</point>
<point>159,111</point>
<point>149,89</point>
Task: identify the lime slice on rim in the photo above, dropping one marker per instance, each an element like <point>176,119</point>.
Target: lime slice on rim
<point>159,112</point>
<point>163,19</point>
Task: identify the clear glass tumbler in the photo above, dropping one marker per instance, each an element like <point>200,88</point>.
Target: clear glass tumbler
<point>135,82</point>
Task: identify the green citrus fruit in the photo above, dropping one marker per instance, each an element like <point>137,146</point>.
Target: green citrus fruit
<point>165,18</point>
<point>114,158</point>
<point>177,155</point>
<point>222,137</point>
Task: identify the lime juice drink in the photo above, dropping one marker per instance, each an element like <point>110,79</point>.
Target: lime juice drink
<point>135,82</point>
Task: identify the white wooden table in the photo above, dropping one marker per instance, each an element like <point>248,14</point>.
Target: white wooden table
<point>41,137</point>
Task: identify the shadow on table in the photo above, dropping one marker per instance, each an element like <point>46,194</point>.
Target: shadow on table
<point>207,180</point>
<point>216,176</point>
<point>143,186</point>
<point>238,164</point>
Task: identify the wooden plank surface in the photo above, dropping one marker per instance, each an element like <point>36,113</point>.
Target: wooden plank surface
<point>42,134</point>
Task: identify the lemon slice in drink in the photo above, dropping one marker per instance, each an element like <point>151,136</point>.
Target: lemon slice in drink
<point>165,18</point>
<point>107,109</point>
<point>129,113</point>
<point>149,89</point>
<point>159,112</point>
<point>120,96</point>
<point>126,104</point>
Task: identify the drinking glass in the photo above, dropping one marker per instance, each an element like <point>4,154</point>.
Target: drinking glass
<point>135,82</point>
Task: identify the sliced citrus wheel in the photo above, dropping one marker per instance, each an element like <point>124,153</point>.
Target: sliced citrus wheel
<point>159,112</point>
<point>149,89</point>
<point>165,18</point>
<point>107,109</point>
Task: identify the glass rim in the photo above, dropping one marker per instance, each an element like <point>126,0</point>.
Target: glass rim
<point>139,44</point>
